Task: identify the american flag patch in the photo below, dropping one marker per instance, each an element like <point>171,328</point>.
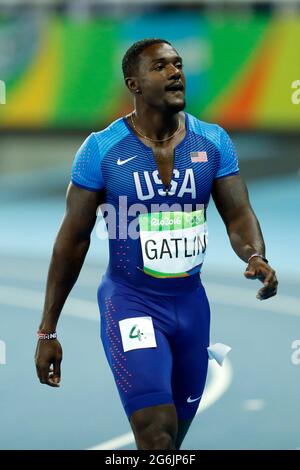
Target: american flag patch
<point>197,157</point>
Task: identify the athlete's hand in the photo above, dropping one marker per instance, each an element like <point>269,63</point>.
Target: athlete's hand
<point>259,269</point>
<point>48,357</point>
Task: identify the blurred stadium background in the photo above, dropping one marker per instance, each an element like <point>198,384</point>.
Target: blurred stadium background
<point>60,62</point>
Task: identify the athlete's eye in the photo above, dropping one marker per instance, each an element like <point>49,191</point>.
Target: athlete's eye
<point>179,65</point>
<point>158,67</point>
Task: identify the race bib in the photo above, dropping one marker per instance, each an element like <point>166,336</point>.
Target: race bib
<point>173,243</point>
<point>137,333</point>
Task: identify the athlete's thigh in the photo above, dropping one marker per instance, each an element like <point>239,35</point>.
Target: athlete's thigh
<point>137,350</point>
<point>189,350</point>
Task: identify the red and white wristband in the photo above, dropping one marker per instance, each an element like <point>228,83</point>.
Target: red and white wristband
<point>42,335</point>
<point>259,255</point>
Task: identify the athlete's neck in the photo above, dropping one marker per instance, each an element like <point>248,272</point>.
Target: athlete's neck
<point>155,125</point>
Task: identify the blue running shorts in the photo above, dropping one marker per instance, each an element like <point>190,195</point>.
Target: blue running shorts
<point>156,345</point>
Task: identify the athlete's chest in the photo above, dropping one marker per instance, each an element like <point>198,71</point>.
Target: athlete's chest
<point>164,158</point>
<point>179,173</point>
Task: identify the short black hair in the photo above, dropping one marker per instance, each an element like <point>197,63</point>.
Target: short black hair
<point>131,58</point>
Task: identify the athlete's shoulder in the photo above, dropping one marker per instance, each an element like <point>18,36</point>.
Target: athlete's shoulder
<point>210,131</point>
<point>216,135</point>
<point>110,136</point>
<point>199,126</point>
<point>114,132</point>
<point>97,145</point>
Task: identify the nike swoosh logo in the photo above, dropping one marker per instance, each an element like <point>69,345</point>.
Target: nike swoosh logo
<point>121,162</point>
<point>191,400</point>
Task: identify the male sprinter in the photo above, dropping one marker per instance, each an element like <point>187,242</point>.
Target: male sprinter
<point>155,169</point>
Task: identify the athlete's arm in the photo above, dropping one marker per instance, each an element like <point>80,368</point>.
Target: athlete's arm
<point>69,251</point>
<point>232,201</point>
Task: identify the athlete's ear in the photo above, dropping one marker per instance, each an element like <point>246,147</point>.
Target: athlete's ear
<point>132,85</point>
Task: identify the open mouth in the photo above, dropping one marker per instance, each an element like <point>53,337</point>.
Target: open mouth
<point>175,91</point>
<point>175,88</point>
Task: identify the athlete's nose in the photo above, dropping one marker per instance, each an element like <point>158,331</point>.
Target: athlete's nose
<point>175,73</point>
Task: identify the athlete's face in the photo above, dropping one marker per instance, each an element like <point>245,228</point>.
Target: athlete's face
<point>160,68</point>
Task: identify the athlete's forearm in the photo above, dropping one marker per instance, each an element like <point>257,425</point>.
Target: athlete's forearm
<point>66,262</point>
<point>245,235</point>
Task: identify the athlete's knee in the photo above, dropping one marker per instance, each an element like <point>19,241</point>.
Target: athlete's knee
<point>155,439</point>
<point>155,427</point>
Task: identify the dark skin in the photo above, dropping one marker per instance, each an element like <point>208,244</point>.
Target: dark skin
<point>70,248</point>
<point>157,114</point>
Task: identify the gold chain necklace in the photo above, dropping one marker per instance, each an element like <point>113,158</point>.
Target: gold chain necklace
<point>153,140</point>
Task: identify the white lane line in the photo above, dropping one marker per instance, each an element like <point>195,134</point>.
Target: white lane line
<point>221,378</point>
<point>32,299</point>
<point>235,296</point>
<point>86,279</point>
<point>116,443</point>
<point>241,297</point>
